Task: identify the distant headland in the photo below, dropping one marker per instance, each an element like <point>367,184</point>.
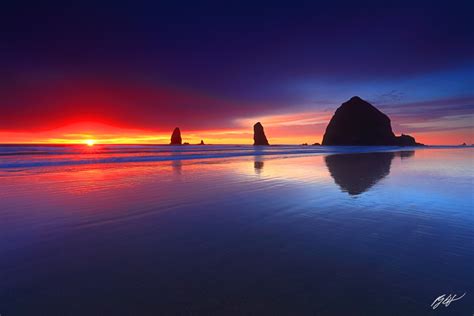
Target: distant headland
<point>355,123</point>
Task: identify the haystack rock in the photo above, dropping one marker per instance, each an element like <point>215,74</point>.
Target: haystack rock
<point>202,142</point>
<point>358,123</point>
<point>176,137</point>
<point>259,137</point>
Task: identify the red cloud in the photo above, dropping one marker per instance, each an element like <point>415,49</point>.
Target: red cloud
<point>54,103</point>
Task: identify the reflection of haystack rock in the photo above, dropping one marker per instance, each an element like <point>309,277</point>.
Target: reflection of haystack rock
<point>356,173</point>
<point>405,154</point>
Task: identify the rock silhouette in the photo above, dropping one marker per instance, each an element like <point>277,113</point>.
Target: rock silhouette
<point>356,173</point>
<point>176,137</point>
<point>202,142</point>
<point>406,140</point>
<point>259,137</point>
<point>358,123</point>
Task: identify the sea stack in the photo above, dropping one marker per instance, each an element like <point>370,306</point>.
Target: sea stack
<point>259,137</point>
<point>176,137</point>
<point>358,123</point>
<point>406,140</point>
<point>202,142</point>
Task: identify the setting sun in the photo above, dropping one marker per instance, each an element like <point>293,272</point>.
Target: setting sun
<point>90,142</point>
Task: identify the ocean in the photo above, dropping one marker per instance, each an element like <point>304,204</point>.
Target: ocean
<point>235,230</point>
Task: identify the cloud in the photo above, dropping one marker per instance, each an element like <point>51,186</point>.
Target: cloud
<point>448,123</point>
<point>447,114</point>
<point>431,109</point>
<point>46,104</point>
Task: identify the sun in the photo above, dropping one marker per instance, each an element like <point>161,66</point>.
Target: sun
<point>89,142</point>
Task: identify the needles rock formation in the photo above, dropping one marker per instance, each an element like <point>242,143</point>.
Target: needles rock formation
<point>259,137</point>
<point>176,137</point>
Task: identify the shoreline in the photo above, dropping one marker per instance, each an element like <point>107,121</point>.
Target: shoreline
<point>191,153</point>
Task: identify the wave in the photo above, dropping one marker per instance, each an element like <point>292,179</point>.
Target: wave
<point>21,156</point>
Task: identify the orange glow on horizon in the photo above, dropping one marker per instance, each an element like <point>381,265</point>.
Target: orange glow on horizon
<point>90,142</point>
<point>293,129</point>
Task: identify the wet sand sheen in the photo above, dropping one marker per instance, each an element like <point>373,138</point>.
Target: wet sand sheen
<point>258,234</point>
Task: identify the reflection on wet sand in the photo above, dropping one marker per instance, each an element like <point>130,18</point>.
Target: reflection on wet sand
<point>287,228</point>
<point>405,154</point>
<point>356,173</point>
<point>258,166</point>
<point>177,167</point>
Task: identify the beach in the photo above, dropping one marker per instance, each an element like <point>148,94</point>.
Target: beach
<point>235,230</point>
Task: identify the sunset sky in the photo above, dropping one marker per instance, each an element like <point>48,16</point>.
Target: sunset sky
<point>130,73</point>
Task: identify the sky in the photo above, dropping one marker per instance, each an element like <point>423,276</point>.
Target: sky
<point>129,72</point>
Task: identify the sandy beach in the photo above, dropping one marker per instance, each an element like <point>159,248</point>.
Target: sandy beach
<point>230,231</point>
